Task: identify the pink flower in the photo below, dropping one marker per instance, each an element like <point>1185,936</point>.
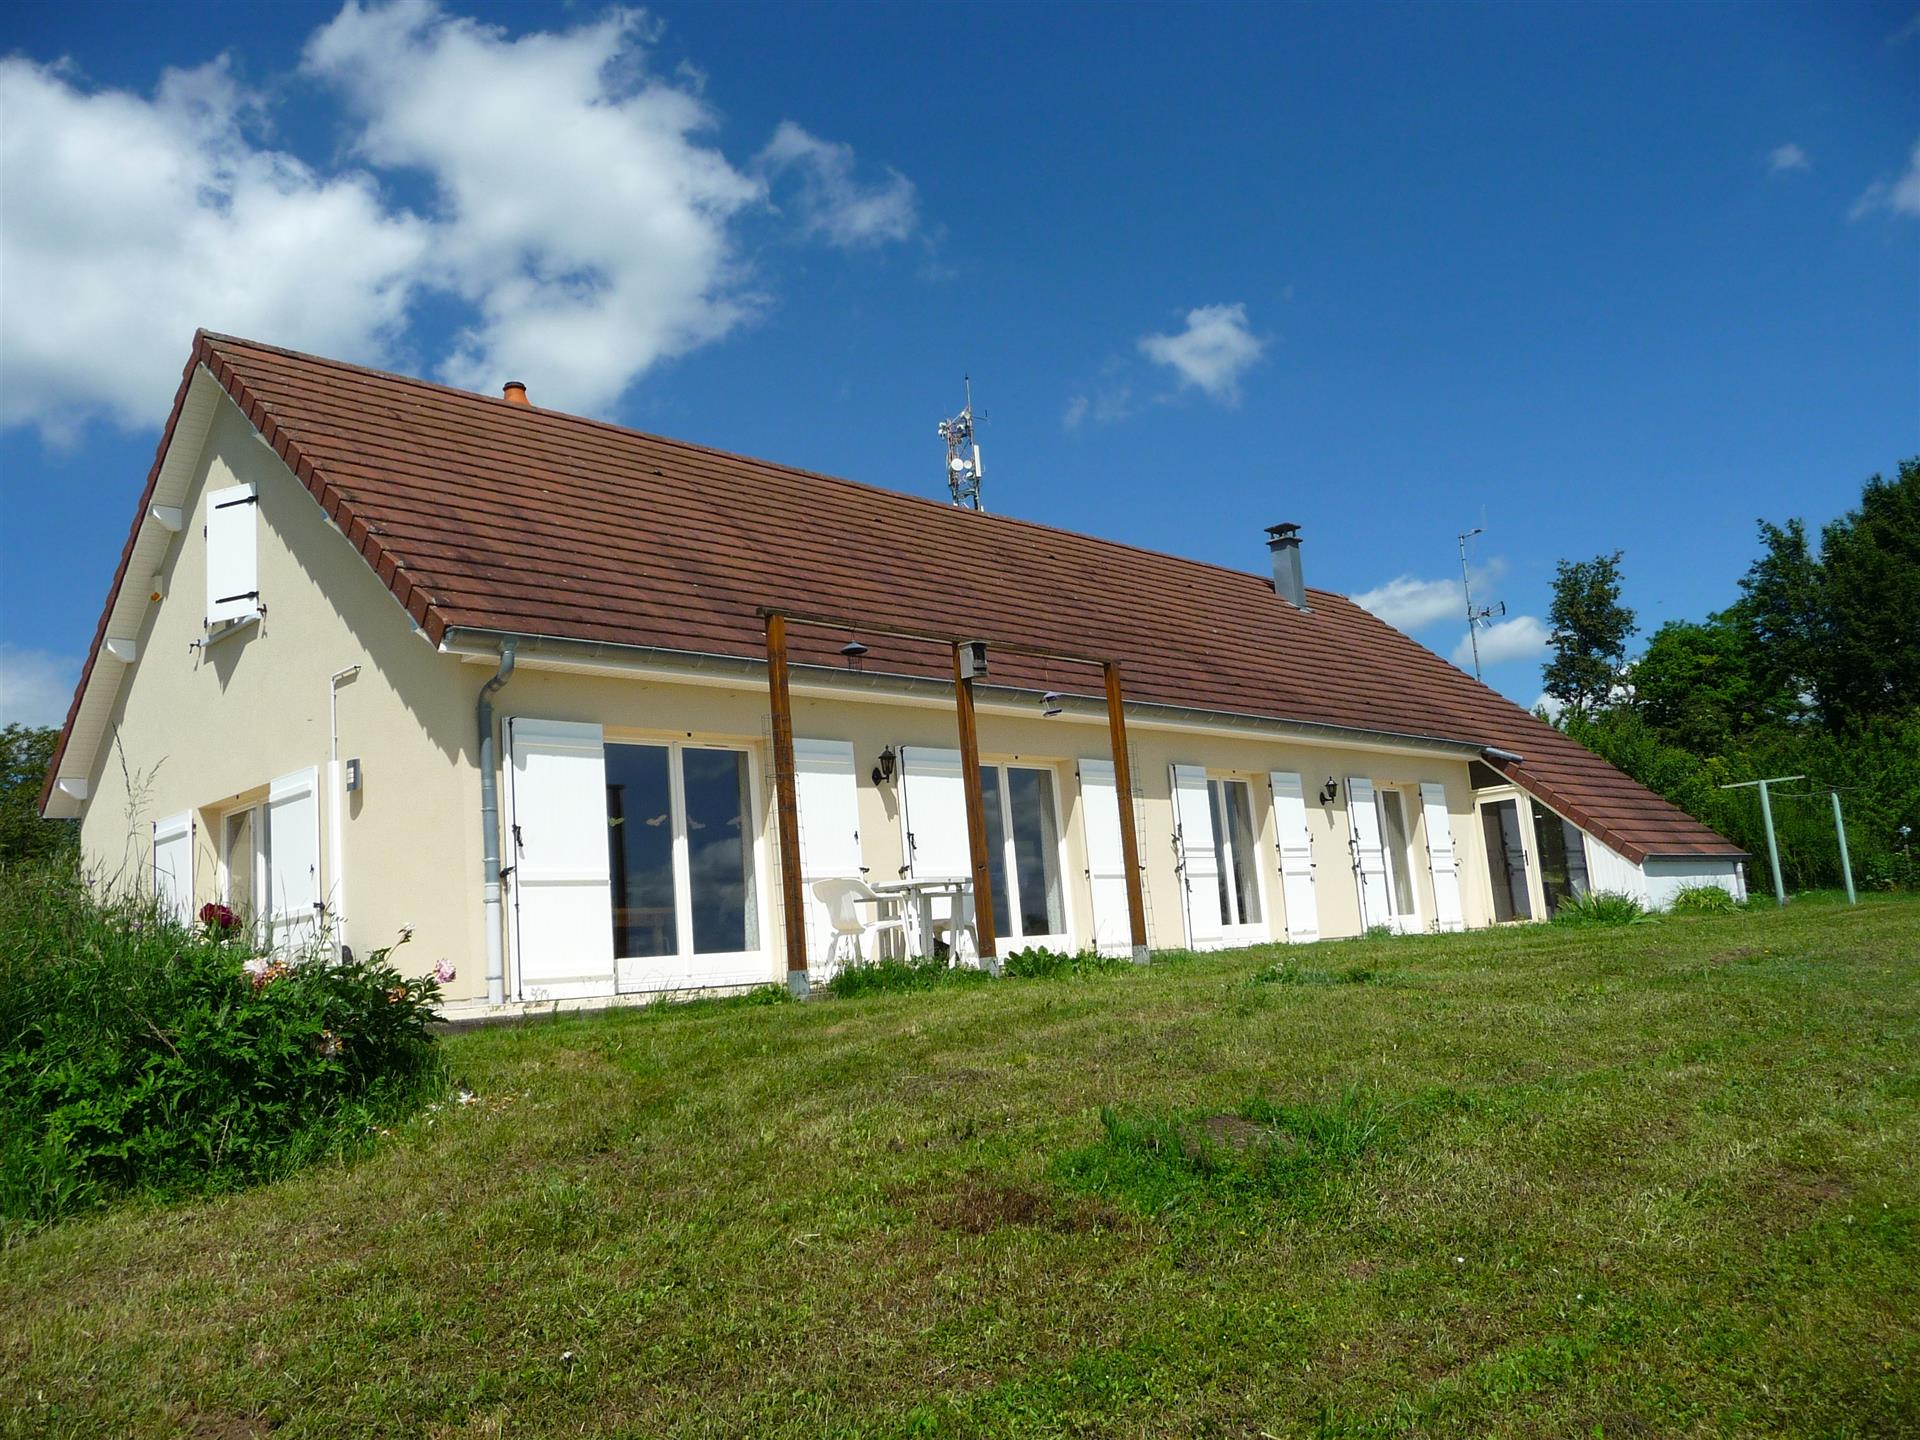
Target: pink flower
<point>444,972</point>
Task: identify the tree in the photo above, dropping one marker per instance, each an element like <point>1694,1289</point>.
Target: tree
<point>1694,685</point>
<point>1782,614</point>
<point>1868,664</point>
<point>1590,631</point>
<point>25,753</point>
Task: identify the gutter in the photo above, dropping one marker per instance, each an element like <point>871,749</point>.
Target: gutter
<point>490,825</point>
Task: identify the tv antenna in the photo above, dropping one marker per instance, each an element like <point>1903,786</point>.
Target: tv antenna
<point>963,455</point>
<point>1485,614</point>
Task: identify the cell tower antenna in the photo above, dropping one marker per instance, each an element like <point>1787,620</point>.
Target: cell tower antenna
<point>1485,614</point>
<point>963,455</point>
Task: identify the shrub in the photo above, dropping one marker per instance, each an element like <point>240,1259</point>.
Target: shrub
<point>141,1056</point>
<point>1703,900</point>
<point>1038,963</point>
<point>882,977</point>
<point>1600,907</point>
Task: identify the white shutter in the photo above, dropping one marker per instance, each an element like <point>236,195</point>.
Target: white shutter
<point>293,858</point>
<point>1369,854</point>
<point>233,562</point>
<point>557,846</point>
<point>173,865</point>
<point>829,798</point>
<point>1296,854</point>
<point>1199,858</point>
<point>1106,860</point>
<point>1441,856</point>
<point>934,811</point>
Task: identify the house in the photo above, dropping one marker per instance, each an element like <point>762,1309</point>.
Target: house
<point>590,711</point>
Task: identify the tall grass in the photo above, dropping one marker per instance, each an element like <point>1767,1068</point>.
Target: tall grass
<point>138,1055</point>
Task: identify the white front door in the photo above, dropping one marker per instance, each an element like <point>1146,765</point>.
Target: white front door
<point>829,798</point>
<point>1106,860</point>
<point>557,797</point>
<point>1295,843</point>
<point>1199,857</point>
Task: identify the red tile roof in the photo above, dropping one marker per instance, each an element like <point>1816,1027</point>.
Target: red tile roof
<point>487,515</point>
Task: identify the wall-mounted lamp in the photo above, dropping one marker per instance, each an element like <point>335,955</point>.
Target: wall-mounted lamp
<point>1050,703</point>
<point>883,772</point>
<point>1329,790</point>
<point>353,776</point>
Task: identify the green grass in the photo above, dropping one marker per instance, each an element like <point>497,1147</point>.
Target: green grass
<point>1646,1180</point>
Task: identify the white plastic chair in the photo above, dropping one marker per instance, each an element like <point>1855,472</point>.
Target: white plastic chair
<point>959,924</point>
<point>843,898</point>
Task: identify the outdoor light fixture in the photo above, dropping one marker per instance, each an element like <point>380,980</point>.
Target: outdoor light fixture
<point>1050,703</point>
<point>853,652</point>
<point>1328,791</point>
<point>883,772</point>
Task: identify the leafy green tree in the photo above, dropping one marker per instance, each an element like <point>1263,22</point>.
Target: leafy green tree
<point>1590,632</point>
<point>1695,687</point>
<point>25,753</point>
<point>1869,661</point>
<point>1782,612</point>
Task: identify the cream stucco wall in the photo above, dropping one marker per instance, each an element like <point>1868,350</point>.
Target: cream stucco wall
<point>207,728</point>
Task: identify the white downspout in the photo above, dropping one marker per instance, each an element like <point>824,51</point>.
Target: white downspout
<point>490,827</point>
<point>336,808</point>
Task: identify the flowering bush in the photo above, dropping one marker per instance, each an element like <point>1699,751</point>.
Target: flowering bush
<point>140,1055</point>
<point>219,920</point>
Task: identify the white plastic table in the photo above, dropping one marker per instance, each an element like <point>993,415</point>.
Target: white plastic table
<point>916,896</point>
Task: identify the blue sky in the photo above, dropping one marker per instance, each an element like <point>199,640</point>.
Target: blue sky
<point>1597,278</point>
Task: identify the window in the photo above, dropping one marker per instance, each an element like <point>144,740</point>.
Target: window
<point>1239,884</point>
<point>1023,852</point>
<point>1506,860</point>
<point>1563,857</point>
<point>1397,839</point>
<point>680,850</point>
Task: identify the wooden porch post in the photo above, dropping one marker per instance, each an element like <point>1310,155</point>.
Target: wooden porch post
<point>976,815</point>
<point>786,806</point>
<point>1123,795</point>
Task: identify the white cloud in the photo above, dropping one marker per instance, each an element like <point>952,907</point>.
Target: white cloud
<point>1521,637</point>
<point>127,222</point>
<point>35,686</point>
<point>578,205</point>
<point>1105,406</point>
<point>1900,196</point>
<point>576,208</point>
<point>1212,353</point>
<point>1077,409</point>
<point>1552,705</point>
<point>1783,158</point>
<point>831,203</point>
<point>1409,603</point>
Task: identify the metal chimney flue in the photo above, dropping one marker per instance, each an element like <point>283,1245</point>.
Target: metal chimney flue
<point>1289,583</point>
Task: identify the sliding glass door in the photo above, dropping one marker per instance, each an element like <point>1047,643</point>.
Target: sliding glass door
<point>1238,879</point>
<point>681,860</point>
<point>1023,856</point>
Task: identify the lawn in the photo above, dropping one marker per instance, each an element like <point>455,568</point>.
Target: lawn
<point>1648,1181</point>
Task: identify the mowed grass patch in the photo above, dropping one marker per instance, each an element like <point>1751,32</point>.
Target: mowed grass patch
<point>1640,1180</point>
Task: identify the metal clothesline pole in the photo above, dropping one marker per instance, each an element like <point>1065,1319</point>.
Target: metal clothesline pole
<point>1766,816</point>
<point>1840,829</point>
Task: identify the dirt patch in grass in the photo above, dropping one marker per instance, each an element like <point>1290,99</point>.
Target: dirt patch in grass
<point>201,1425</point>
<point>982,1205</point>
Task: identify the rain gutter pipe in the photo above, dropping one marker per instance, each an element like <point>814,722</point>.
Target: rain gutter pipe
<point>490,826</point>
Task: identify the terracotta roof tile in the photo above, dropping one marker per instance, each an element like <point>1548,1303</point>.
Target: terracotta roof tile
<point>482,514</point>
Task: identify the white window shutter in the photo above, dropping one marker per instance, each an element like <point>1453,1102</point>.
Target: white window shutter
<point>829,799</point>
<point>1369,853</point>
<point>934,811</point>
<point>1441,857</point>
<point>558,849</point>
<point>1296,854</point>
<point>293,858</point>
<point>233,561</point>
<point>173,865</point>
<point>1106,862</point>
<point>1199,859</point>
